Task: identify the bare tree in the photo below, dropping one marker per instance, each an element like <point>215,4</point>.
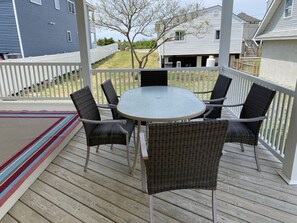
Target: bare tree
<point>145,18</point>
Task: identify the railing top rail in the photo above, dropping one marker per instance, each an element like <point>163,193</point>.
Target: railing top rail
<point>169,69</point>
<point>40,63</point>
<point>263,82</point>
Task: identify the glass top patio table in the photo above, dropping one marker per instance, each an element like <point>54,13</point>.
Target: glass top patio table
<point>160,103</point>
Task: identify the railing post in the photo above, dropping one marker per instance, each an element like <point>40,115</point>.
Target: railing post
<point>225,36</point>
<point>289,170</point>
<point>84,41</point>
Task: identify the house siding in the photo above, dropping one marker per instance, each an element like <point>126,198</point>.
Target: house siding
<point>279,23</point>
<point>205,44</point>
<point>39,37</point>
<point>279,62</point>
<point>9,40</point>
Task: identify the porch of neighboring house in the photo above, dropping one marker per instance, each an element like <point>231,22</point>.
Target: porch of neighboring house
<point>63,192</point>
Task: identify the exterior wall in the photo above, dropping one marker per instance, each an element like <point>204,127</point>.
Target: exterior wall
<point>39,37</point>
<point>206,44</point>
<point>9,40</point>
<point>279,23</point>
<point>279,62</point>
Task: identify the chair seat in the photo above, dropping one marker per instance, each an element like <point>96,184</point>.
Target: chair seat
<point>110,134</point>
<point>238,132</point>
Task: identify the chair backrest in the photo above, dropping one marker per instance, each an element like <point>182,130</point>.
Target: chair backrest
<point>153,78</point>
<point>184,155</point>
<point>221,88</point>
<point>256,105</point>
<point>86,108</point>
<point>111,96</point>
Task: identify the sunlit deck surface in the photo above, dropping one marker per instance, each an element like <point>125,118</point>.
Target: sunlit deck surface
<point>108,193</point>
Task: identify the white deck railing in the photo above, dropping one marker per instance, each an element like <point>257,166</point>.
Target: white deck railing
<point>274,129</point>
<point>194,79</point>
<point>55,81</point>
<point>27,80</point>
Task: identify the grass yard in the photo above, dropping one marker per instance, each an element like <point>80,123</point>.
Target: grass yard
<point>122,59</point>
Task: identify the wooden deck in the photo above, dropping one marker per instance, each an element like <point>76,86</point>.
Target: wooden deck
<point>108,193</point>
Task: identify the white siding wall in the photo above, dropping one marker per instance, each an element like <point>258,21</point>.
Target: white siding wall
<point>206,44</point>
<point>279,62</point>
<point>279,23</point>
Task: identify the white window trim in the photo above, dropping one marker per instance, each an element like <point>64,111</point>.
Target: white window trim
<point>71,2</point>
<point>291,10</point>
<point>69,40</point>
<point>57,4</point>
<point>37,2</point>
<point>179,40</point>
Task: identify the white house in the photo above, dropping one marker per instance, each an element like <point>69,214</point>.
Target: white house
<point>278,33</point>
<point>193,51</point>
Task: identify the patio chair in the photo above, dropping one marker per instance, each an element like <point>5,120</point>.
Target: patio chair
<point>218,96</point>
<point>153,78</point>
<point>112,98</point>
<point>99,132</point>
<point>183,155</point>
<point>245,130</point>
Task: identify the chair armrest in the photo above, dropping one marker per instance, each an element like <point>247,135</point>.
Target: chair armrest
<point>207,113</point>
<point>117,121</point>
<point>216,105</point>
<point>106,106</point>
<point>143,147</point>
<point>256,119</point>
<point>215,100</point>
<point>202,92</point>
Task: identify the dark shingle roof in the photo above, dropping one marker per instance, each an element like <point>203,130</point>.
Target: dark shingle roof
<point>248,18</point>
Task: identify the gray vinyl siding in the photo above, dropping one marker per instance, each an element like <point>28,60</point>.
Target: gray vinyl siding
<point>9,40</point>
<point>279,23</point>
<point>41,38</point>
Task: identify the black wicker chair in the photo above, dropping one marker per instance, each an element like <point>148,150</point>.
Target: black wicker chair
<point>112,98</point>
<point>218,96</point>
<point>153,78</point>
<point>245,130</point>
<point>183,156</point>
<point>100,132</point>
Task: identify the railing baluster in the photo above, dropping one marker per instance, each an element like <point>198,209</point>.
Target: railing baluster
<point>286,126</point>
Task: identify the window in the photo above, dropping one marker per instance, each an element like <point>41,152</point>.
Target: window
<point>179,35</point>
<point>288,8</point>
<point>71,7</point>
<point>217,36</point>
<point>69,37</point>
<point>38,2</point>
<point>57,4</point>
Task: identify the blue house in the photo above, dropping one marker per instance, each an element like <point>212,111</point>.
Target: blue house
<point>38,27</point>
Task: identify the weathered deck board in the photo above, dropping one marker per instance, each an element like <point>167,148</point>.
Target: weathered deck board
<point>108,193</point>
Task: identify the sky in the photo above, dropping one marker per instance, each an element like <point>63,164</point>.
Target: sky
<point>255,8</point>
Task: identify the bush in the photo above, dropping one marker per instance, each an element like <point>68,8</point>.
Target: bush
<point>105,41</point>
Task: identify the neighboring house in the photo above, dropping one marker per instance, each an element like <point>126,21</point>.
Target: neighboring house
<point>249,47</point>
<point>278,33</point>
<point>192,51</point>
<point>38,27</point>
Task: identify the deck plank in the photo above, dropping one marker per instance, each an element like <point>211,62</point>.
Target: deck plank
<point>108,193</point>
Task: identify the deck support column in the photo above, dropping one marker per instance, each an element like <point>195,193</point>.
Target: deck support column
<point>82,19</point>
<point>289,170</point>
<point>225,33</point>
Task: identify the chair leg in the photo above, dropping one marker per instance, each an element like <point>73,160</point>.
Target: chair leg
<point>214,207</point>
<point>87,159</point>
<point>128,152</point>
<point>111,146</point>
<point>151,209</point>
<point>242,148</point>
<point>97,149</point>
<point>257,158</point>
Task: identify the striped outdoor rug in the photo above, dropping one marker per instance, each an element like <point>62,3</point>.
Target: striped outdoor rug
<point>26,140</point>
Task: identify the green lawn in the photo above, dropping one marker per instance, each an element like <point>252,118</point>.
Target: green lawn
<point>122,59</point>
